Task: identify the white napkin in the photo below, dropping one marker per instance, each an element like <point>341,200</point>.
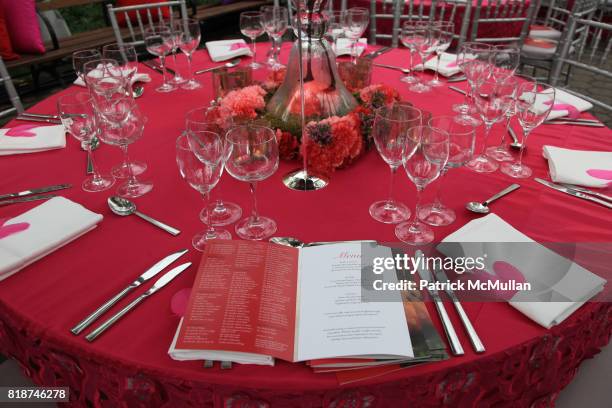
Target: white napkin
<point>138,77</point>
<point>53,224</point>
<point>573,282</point>
<point>222,50</point>
<point>47,138</point>
<point>562,97</point>
<point>343,46</point>
<point>446,59</point>
<point>579,166</point>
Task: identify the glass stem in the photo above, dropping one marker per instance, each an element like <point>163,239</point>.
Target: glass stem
<point>189,67</point>
<point>488,127</point>
<point>436,75</point>
<point>354,51</point>
<point>519,163</point>
<point>410,60</point>
<point>94,168</point>
<point>255,214</point>
<point>219,206</point>
<point>174,59</point>
<point>391,203</point>
<point>467,100</point>
<point>210,231</point>
<point>126,162</point>
<point>437,205</point>
<point>503,139</point>
<point>254,50</point>
<point>417,206</point>
<point>162,62</point>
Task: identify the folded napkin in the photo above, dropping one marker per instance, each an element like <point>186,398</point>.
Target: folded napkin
<point>41,231</point>
<point>227,49</point>
<point>565,104</point>
<point>582,167</point>
<point>28,138</point>
<point>343,46</point>
<point>138,77</point>
<point>564,284</point>
<point>448,64</point>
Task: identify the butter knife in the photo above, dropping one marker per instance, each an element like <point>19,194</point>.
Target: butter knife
<point>36,119</point>
<point>151,272</point>
<point>449,330</point>
<point>35,191</point>
<point>460,78</point>
<point>573,123</point>
<point>160,283</point>
<point>454,88</point>
<point>587,191</point>
<point>467,324</point>
<point>378,53</point>
<point>573,192</point>
<point>26,199</point>
<point>157,68</point>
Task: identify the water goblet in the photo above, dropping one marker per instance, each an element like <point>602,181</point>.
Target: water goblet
<point>188,42</point>
<point>252,156</point>
<point>425,155</point>
<point>533,104</point>
<point>127,60</point>
<point>335,26</point>
<point>201,169</point>
<point>104,79</point>
<point>443,32</point>
<point>460,149</point>
<point>391,125</point>
<point>355,23</point>
<point>275,21</point>
<point>80,58</point>
<point>251,27</point>
<point>474,60</point>
<point>505,60</point>
<point>410,40</point>
<point>426,43</point>
<point>159,42</point>
<point>76,111</point>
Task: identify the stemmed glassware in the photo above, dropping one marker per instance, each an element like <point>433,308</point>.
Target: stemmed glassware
<point>80,58</point>
<point>534,102</point>
<point>425,155</point>
<point>207,119</point>
<point>121,127</point>
<point>252,156</point>
<point>355,23</point>
<point>127,60</point>
<point>104,78</point>
<point>425,43</point>
<point>188,41</point>
<point>474,59</point>
<point>443,32</point>
<point>76,111</point>
<point>461,147</point>
<point>409,38</point>
<point>335,26</point>
<point>159,42</point>
<point>391,125</point>
<point>251,26</point>
<point>177,30</point>
<point>275,20</point>
<point>493,99</point>
<point>199,156</point>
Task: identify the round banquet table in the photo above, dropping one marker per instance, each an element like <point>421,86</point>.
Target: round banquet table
<point>525,365</point>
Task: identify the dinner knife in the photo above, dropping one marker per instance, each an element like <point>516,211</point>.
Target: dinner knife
<point>151,272</point>
<point>35,191</point>
<point>454,88</point>
<point>574,123</point>
<point>467,324</point>
<point>160,283</point>
<point>587,191</point>
<point>460,78</point>
<point>26,199</point>
<point>574,193</point>
<point>35,119</point>
<point>40,115</point>
<point>157,68</point>
<point>449,330</point>
<point>378,52</point>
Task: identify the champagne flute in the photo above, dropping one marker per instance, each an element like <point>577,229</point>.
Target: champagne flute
<point>355,24</point>
<point>410,40</point>
<point>251,27</point>
<point>158,40</point>
<point>214,120</point>
<point>252,156</point>
<point>460,150</point>
<point>425,155</point>
<point>443,31</point>
<point>533,104</point>
<point>493,99</point>
<point>391,125</point>
<point>76,111</point>
<point>199,156</point>
<point>189,40</point>
<point>275,20</point>
<point>426,43</point>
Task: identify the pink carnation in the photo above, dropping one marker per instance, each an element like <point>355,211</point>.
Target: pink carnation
<point>245,103</point>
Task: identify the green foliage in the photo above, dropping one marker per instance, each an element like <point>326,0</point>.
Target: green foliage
<point>84,18</point>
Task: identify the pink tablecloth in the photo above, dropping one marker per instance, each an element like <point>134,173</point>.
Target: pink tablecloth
<point>524,363</point>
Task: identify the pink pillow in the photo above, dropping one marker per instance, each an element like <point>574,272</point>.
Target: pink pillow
<point>22,24</point>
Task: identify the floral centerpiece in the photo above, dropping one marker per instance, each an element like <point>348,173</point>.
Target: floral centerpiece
<point>333,142</point>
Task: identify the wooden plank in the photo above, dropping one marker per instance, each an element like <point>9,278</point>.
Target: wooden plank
<point>60,4</point>
<point>205,13</point>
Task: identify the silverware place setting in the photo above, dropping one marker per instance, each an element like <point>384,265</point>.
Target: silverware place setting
<point>581,193</point>
<point>33,194</point>
<point>124,207</point>
<point>378,53</point>
<point>230,64</point>
<point>483,207</point>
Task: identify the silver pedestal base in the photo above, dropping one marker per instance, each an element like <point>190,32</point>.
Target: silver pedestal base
<point>302,181</point>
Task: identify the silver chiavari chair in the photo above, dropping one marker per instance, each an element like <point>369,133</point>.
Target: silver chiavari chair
<point>454,11</point>
<point>292,6</point>
<point>590,56</point>
<point>154,14</point>
<point>11,91</point>
<point>500,13</point>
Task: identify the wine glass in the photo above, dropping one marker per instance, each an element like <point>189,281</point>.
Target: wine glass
<point>127,60</point>
<point>425,43</point>
<point>391,124</point>
<point>80,58</point>
<point>252,156</point>
<point>275,20</point>
<point>122,127</point>
<point>177,31</point>
<point>493,99</point>
<point>533,104</point>
<point>104,78</point>
<point>199,156</point>
<point>474,60</point>
<point>335,26</point>
<point>208,119</point>
<point>189,40</point>
<point>443,32</point>
<point>355,23</point>
<point>410,40</point>
<point>505,60</point>
<point>425,155</point>
<point>159,42</point>
<point>460,149</point>
<point>76,111</point>
<point>251,27</point>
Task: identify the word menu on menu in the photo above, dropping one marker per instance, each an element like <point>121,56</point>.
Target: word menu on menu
<point>253,302</point>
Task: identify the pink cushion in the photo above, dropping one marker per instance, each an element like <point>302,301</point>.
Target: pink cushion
<point>22,25</point>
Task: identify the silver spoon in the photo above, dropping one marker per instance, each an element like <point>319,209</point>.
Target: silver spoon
<point>287,241</point>
<point>400,69</point>
<point>137,91</point>
<point>483,208</point>
<point>230,64</point>
<point>124,207</point>
<point>515,142</point>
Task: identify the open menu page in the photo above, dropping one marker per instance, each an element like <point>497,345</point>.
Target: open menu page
<point>333,321</point>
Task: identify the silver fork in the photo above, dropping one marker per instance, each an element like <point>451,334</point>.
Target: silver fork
<point>400,69</point>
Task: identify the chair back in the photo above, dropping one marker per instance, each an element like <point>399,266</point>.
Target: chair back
<point>292,6</point>
<point>154,14</point>
<point>11,91</point>
<point>501,13</point>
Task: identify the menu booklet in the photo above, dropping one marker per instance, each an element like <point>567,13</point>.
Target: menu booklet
<point>252,302</point>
